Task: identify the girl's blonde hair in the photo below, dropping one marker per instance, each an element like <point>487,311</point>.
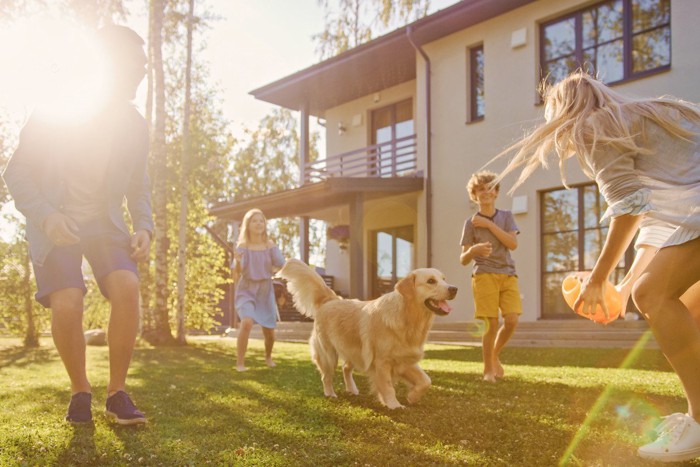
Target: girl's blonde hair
<point>244,235</point>
<point>583,113</point>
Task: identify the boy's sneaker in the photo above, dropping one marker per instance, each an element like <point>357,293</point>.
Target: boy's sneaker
<point>79,409</point>
<point>679,440</point>
<point>120,409</point>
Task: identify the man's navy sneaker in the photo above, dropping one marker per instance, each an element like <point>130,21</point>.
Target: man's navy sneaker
<point>79,409</point>
<point>120,409</point>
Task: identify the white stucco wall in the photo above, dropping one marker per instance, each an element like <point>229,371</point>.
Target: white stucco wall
<point>460,148</point>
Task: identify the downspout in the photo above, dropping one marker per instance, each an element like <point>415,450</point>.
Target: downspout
<point>428,139</point>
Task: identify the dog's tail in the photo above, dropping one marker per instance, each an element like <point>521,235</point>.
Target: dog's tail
<point>307,288</point>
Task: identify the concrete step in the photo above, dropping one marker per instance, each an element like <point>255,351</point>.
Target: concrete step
<point>544,333</point>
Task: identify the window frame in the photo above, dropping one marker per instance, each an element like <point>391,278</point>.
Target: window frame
<point>580,230</point>
<point>627,37</point>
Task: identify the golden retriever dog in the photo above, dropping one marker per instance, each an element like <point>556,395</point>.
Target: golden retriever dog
<point>382,338</point>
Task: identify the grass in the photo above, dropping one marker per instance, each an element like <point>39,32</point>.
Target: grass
<point>556,407</point>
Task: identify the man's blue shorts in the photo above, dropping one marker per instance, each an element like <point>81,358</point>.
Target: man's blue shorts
<point>104,246</point>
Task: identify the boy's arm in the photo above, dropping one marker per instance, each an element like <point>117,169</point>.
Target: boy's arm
<point>470,251</point>
<point>508,239</point>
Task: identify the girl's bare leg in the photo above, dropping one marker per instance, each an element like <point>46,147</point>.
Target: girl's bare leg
<point>242,343</point>
<point>269,335</point>
<point>672,271</point>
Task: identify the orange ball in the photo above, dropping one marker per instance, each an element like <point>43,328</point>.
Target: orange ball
<point>571,288</point>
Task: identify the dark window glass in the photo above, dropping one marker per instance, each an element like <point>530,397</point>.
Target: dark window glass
<point>572,239</point>
<point>476,83</point>
<point>614,40</point>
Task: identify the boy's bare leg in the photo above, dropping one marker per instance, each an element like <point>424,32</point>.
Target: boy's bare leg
<point>488,341</point>
<point>242,343</point>
<point>67,333</point>
<point>510,322</point>
<point>657,295</point>
<point>269,335</point>
<point>122,287</point>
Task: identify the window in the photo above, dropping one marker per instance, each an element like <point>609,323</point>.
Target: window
<point>392,129</point>
<point>572,238</point>
<point>476,83</point>
<point>615,40</point>
<point>392,257</point>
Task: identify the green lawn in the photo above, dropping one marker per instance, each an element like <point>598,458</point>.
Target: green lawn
<point>556,406</point>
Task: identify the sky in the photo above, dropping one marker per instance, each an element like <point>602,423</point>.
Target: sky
<point>254,43</point>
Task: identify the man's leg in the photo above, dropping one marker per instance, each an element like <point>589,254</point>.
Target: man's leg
<point>67,332</point>
<point>122,287</point>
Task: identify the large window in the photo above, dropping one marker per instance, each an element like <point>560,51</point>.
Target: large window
<point>476,83</point>
<point>572,238</point>
<point>615,40</point>
<point>391,125</point>
<point>392,250</point>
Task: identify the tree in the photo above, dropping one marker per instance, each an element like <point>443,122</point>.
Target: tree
<point>269,162</point>
<point>158,329</point>
<point>184,172</point>
<point>355,22</point>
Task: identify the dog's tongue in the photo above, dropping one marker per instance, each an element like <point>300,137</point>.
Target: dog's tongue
<point>444,306</point>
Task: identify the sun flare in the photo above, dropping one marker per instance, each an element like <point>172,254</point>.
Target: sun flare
<point>53,66</point>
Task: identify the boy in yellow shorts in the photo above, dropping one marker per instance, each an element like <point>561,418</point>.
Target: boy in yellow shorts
<point>487,238</point>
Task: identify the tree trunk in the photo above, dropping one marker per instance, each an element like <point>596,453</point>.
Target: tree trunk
<point>31,337</point>
<point>160,333</point>
<point>186,149</point>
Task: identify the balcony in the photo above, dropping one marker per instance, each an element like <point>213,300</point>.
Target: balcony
<point>396,158</point>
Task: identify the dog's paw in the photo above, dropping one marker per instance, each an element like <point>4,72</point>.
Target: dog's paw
<point>395,405</point>
<point>331,395</point>
<point>412,399</point>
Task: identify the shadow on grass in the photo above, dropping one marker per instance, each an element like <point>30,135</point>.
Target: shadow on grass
<point>645,359</point>
<point>201,410</point>
<point>19,356</point>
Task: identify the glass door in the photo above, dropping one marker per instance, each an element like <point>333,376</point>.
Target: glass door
<point>392,250</point>
<point>390,124</point>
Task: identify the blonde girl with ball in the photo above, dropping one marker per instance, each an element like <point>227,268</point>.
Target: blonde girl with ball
<point>644,155</point>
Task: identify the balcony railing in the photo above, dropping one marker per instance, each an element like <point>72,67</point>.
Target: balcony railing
<point>394,158</point>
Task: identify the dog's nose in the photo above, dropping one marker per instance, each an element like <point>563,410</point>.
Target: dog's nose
<point>453,291</point>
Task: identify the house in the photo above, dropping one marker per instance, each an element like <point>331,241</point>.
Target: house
<point>410,115</point>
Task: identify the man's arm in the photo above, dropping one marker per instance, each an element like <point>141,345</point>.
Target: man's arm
<point>21,174</point>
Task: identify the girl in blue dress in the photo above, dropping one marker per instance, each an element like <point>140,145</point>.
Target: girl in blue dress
<point>256,259</point>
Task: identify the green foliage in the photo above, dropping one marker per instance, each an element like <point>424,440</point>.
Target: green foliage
<point>268,162</point>
<point>20,315</point>
<point>201,412</point>
<point>349,23</point>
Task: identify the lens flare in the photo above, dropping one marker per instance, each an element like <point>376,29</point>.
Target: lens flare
<point>602,400</point>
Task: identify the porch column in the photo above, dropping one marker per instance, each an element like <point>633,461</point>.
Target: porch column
<point>357,276</point>
<point>303,157</point>
<point>304,238</point>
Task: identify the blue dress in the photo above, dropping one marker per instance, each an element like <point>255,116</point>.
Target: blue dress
<point>255,294</point>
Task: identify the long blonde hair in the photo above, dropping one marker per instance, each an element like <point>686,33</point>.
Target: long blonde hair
<point>244,235</point>
<point>584,113</point>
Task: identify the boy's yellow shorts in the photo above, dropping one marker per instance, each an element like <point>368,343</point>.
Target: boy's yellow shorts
<point>493,292</point>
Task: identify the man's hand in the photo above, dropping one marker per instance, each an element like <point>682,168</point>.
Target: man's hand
<point>140,245</point>
<point>61,229</point>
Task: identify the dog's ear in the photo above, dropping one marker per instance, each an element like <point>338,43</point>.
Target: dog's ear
<point>407,285</point>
